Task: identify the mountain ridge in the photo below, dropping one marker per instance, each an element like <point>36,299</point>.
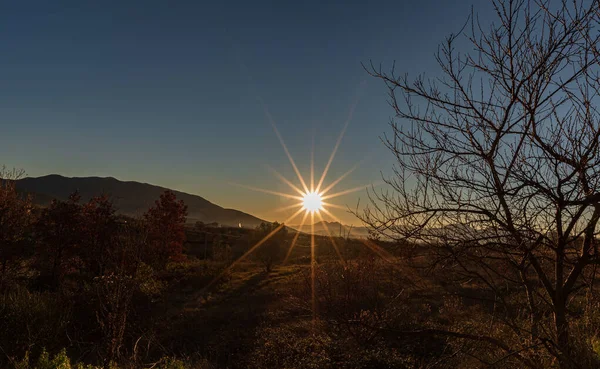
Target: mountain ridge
<point>131,198</point>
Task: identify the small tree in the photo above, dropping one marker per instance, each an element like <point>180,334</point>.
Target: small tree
<point>60,236</point>
<point>272,250</point>
<point>100,232</point>
<point>166,222</point>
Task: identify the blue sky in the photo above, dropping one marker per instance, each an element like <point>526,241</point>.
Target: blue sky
<point>169,93</point>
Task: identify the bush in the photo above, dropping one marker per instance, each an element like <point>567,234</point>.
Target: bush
<point>62,361</point>
<point>58,361</point>
<point>31,319</point>
<point>271,251</point>
<point>355,296</point>
<point>307,345</point>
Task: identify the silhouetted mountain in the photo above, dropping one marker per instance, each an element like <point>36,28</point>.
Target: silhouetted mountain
<point>130,198</point>
<point>335,228</point>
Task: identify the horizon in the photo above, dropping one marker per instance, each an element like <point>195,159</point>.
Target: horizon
<point>333,221</point>
<point>195,116</point>
<point>300,184</point>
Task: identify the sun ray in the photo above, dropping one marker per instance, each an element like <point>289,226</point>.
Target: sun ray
<point>345,192</point>
<point>334,205</point>
<point>287,256</point>
<point>312,268</point>
<point>328,188</point>
<point>285,180</point>
<point>287,152</point>
<point>268,191</point>
<point>257,245</point>
<point>272,122</point>
<point>335,246</point>
<point>331,215</point>
<point>310,199</point>
<point>382,253</point>
<point>284,208</point>
<point>312,165</point>
<point>385,255</point>
<point>337,144</point>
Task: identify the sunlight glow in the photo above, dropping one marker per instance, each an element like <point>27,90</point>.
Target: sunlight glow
<point>312,202</point>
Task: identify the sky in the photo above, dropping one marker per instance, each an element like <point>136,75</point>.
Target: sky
<point>179,94</point>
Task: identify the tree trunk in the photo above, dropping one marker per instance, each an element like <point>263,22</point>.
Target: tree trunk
<point>562,334</point>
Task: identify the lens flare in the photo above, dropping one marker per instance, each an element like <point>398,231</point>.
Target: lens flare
<point>308,200</point>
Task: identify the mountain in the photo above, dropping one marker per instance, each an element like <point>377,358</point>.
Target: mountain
<point>335,228</point>
<point>130,198</point>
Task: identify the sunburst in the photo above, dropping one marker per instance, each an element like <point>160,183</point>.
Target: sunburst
<point>310,201</point>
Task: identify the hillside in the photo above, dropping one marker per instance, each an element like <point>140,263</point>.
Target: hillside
<point>131,198</point>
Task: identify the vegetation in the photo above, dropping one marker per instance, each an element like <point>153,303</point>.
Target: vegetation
<point>105,302</point>
<point>482,252</point>
<point>272,250</point>
<point>498,162</point>
<point>88,288</point>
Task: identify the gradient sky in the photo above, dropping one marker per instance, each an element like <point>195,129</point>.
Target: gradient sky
<point>168,92</point>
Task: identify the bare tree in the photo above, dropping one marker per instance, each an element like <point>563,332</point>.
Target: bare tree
<point>498,169</point>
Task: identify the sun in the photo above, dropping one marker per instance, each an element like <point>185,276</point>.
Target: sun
<point>312,197</point>
<point>312,202</point>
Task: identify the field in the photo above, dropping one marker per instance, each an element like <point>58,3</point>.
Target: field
<point>220,302</point>
<point>202,313</point>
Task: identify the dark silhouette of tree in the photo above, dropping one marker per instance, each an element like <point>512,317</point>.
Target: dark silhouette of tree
<point>119,280</point>
<point>166,232</point>
<point>60,238</point>
<point>15,221</point>
<point>100,230</point>
<point>498,172</point>
<point>272,250</point>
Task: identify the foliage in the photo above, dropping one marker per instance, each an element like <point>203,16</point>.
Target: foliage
<point>62,361</point>
<point>171,363</point>
<point>148,282</point>
<point>306,345</point>
<point>272,249</point>
<point>32,319</point>
<point>15,220</point>
<point>60,238</point>
<point>221,251</point>
<point>166,220</point>
<point>102,251</point>
<point>498,167</point>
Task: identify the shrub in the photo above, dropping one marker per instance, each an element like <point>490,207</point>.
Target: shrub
<point>355,296</point>
<point>62,361</point>
<point>271,250</point>
<point>307,345</point>
<point>166,226</point>
<point>32,319</point>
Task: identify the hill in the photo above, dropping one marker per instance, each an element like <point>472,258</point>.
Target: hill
<point>130,198</point>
